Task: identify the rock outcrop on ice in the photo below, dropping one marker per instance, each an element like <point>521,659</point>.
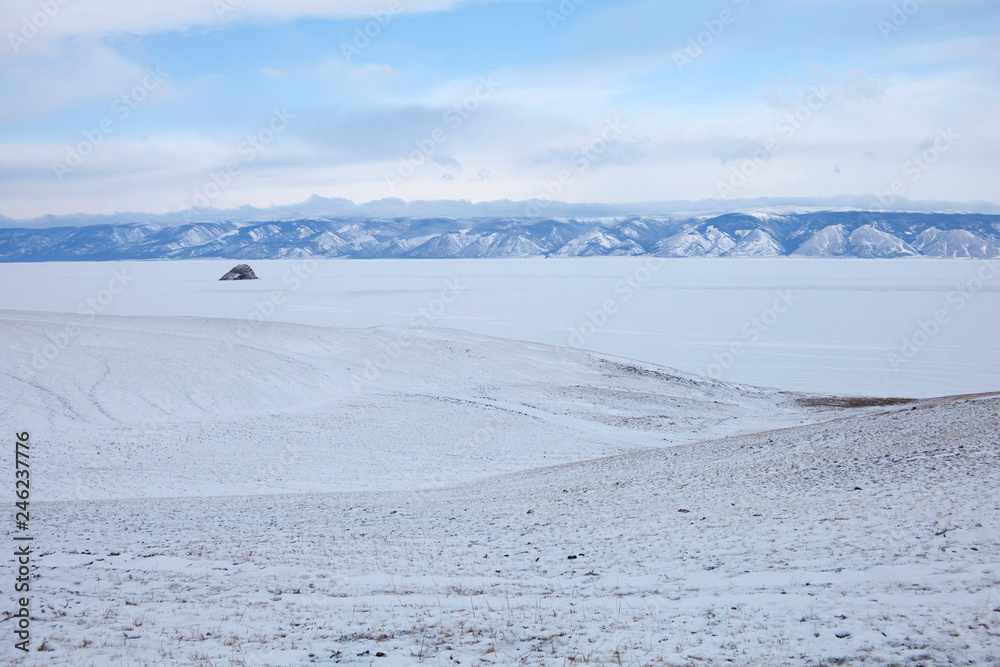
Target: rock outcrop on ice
<point>240,272</point>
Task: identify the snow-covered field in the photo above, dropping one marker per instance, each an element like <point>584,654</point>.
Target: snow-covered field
<point>217,487</point>
<point>152,407</point>
<point>871,542</point>
<point>842,318</point>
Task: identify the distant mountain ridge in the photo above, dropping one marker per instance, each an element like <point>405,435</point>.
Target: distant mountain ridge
<point>864,234</point>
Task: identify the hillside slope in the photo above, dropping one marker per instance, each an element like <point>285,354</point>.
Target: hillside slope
<point>869,540</point>
<point>198,501</point>
<point>131,402</point>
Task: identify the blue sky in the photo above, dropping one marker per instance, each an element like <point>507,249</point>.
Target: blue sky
<point>145,106</point>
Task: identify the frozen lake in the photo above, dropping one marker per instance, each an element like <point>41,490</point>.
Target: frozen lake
<point>882,327</point>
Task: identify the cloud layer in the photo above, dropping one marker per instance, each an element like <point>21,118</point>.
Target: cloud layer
<point>592,101</point>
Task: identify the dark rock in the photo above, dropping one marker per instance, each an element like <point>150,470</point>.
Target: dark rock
<point>240,272</point>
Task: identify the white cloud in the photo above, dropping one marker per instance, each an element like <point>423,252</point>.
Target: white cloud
<point>81,17</point>
<point>980,49</point>
<point>73,72</point>
<point>368,72</point>
<point>674,152</point>
<point>526,131</point>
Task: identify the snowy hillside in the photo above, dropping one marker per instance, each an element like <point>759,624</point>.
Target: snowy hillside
<point>345,406</point>
<point>754,234</point>
<point>208,502</point>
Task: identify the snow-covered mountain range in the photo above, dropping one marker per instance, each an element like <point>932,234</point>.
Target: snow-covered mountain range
<point>865,234</point>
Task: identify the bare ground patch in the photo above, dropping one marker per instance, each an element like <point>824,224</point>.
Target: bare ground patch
<point>852,401</point>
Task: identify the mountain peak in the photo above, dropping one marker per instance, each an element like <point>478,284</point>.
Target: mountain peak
<point>867,234</point>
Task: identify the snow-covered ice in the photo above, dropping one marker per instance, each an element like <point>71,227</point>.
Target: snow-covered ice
<point>845,318</point>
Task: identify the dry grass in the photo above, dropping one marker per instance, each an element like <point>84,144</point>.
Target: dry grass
<point>852,401</point>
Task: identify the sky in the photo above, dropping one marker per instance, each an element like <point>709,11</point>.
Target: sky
<point>141,105</point>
